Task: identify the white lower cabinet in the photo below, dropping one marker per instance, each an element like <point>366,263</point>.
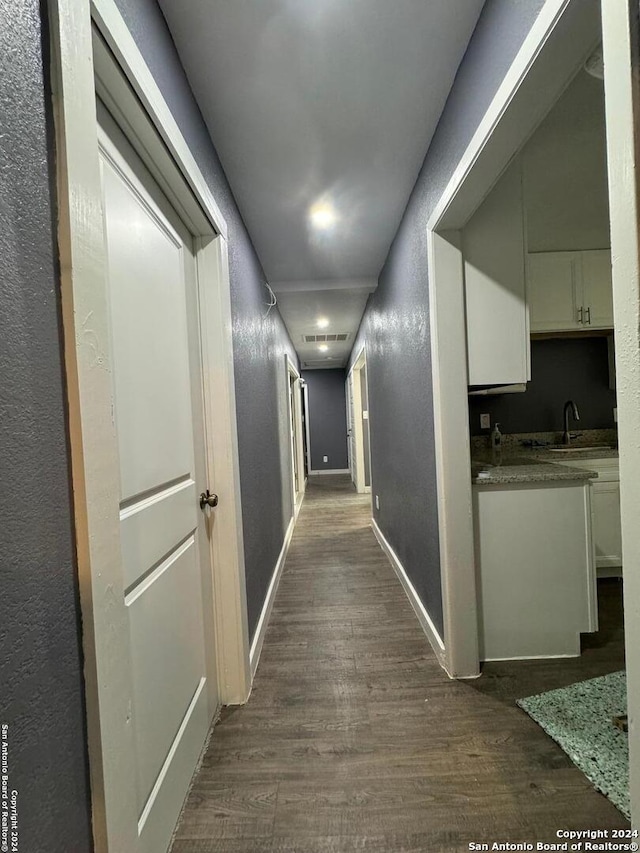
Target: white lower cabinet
<point>605,503</point>
<point>535,570</point>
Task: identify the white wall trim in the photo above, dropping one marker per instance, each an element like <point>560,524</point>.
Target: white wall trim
<point>357,428</point>
<point>294,413</point>
<point>114,30</point>
<point>533,657</point>
<point>93,440</point>
<point>223,465</point>
<point>622,107</point>
<point>329,471</point>
<point>307,425</point>
<point>515,80</point>
<point>267,607</point>
<point>453,454</point>
<point>359,360</point>
<point>419,609</point>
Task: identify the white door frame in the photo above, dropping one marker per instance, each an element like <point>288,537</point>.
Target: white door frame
<point>352,458</point>
<point>305,392</point>
<point>622,102</point>
<point>294,419</point>
<point>561,38</point>
<point>94,454</point>
<point>354,378</point>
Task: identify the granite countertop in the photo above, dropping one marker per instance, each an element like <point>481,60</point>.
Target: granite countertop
<point>525,469</point>
<point>529,458</point>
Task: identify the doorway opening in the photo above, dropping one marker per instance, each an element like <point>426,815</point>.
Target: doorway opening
<point>306,438</point>
<point>490,344</point>
<point>358,433</point>
<point>297,436</point>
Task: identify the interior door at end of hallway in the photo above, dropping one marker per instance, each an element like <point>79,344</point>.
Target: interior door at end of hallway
<point>155,349</point>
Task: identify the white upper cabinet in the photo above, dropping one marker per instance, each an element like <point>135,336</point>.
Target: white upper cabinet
<point>494,272</point>
<point>570,291</point>
<point>552,291</point>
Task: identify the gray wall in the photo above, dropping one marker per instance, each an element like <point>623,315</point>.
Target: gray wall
<point>396,323</point>
<point>260,344</point>
<point>327,418</point>
<point>562,369</point>
<point>41,695</point>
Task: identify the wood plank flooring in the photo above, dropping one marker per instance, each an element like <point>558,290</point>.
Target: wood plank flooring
<point>354,739</point>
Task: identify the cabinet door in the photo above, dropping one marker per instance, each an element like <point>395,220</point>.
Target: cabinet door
<point>607,534</point>
<point>494,273</point>
<point>597,292</point>
<point>552,291</point>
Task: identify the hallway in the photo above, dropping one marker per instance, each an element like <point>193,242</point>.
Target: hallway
<point>354,738</point>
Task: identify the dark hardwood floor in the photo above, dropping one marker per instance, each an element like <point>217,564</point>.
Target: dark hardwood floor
<point>355,740</point>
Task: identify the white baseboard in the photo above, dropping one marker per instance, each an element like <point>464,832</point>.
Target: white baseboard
<point>329,471</point>
<point>571,656</point>
<point>423,617</point>
<point>263,621</point>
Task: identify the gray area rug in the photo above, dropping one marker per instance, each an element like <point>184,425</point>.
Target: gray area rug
<point>578,718</point>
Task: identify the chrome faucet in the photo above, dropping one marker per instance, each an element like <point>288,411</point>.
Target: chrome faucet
<point>569,407</point>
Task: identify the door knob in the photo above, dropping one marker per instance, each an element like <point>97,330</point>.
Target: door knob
<point>207,499</point>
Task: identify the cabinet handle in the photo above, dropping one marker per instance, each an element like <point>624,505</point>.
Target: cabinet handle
<point>588,313</point>
<point>581,315</point>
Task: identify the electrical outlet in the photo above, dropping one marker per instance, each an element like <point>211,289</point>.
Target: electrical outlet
<point>485,421</point>
<point>615,415</point>
<point>377,502</point>
<point>325,458</point>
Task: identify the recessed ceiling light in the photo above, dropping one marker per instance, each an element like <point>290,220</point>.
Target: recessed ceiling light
<point>322,215</point>
<point>323,348</point>
<point>322,322</point>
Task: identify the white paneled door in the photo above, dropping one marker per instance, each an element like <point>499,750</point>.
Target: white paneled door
<point>155,342</point>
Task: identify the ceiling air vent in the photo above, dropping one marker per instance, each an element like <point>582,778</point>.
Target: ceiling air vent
<point>324,339</point>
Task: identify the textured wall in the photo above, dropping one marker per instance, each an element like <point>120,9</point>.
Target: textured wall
<point>572,369</point>
<point>41,695</point>
<point>260,344</point>
<point>396,323</point>
<point>327,418</point>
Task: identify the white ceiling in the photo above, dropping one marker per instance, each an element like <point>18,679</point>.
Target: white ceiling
<point>330,101</point>
<point>342,306</point>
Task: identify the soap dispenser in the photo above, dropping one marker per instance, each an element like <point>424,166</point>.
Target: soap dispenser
<point>496,444</point>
